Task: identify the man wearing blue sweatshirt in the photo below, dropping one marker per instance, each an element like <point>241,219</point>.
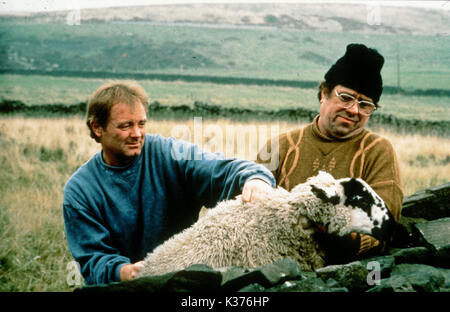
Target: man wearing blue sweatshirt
<point>141,189</point>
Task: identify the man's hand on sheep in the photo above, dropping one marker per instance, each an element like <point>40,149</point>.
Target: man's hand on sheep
<point>130,270</point>
<point>254,189</point>
<point>366,242</point>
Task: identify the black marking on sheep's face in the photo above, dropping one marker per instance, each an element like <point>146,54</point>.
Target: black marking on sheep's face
<point>356,195</point>
<point>359,196</point>
<point>387,227</point>
<point>334,200</point>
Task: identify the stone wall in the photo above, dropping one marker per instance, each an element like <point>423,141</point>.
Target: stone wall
<point>417,261</point>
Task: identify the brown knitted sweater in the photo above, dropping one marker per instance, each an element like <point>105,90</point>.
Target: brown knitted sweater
<point>303,152</point>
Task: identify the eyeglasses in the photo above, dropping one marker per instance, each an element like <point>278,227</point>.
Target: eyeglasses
<point>347,101</point>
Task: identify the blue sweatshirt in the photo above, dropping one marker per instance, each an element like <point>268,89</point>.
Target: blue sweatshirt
<point>116,215</point>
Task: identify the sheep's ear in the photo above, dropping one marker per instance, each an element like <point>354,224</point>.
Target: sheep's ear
<point>321,194</point>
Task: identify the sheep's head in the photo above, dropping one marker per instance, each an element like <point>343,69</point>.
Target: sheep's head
<point>365,211</point>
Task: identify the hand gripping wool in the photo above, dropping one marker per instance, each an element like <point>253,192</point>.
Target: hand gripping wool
<point>279,225</point>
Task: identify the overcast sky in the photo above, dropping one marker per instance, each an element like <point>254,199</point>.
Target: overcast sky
<point>55,5</point>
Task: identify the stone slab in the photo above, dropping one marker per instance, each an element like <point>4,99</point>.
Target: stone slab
<point>436,236</point>
<point>432,203</point>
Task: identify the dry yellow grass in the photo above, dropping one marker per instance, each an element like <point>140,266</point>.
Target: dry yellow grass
<point>424,160</point>
<point>37,156</point>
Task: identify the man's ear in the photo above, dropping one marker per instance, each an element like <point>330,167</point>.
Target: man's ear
<point>97,129</point>
<point>323,94</point>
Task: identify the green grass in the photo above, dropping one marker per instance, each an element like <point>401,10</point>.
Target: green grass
<point>416,107</point>
<point>254,53</point>
<point>38,90</point>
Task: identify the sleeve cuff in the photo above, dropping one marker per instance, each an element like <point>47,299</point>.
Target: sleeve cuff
<point>264,178</point>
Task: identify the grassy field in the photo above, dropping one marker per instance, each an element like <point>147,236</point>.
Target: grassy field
<point>38,90</point>
<point>255,53</point>
<point>37,156</point>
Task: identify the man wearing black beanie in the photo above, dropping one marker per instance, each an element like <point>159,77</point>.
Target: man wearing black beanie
<point>337,142</point>
<point>359,69</point>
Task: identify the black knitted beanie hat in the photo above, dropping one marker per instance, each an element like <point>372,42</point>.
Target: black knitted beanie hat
<point>359,69</point>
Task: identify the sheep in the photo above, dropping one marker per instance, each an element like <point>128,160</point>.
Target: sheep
<point>279,225</point>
